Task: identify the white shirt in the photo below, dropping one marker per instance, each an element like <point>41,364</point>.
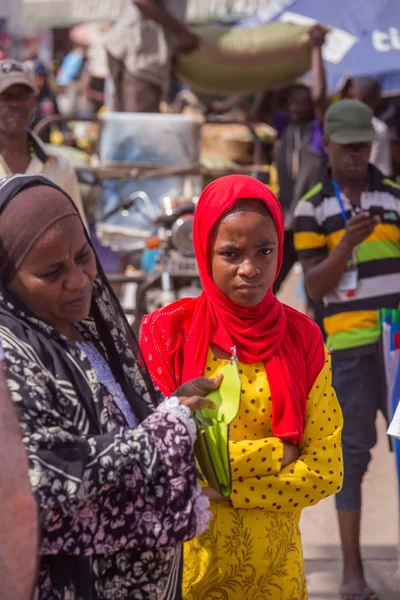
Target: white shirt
<point>381,152</point>
<point>53,166</point>
<point>141,44</point>
<point>96,60</point>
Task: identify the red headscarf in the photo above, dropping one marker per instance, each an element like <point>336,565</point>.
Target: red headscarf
<point>175,340</point>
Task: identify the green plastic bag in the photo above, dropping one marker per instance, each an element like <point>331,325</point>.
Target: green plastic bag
<point>212,445</point>
<point>246,61</point>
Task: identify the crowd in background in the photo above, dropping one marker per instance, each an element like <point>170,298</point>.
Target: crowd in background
<point>112,461</point>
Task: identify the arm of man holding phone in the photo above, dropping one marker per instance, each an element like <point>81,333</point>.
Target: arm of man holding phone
<point>323,273</point>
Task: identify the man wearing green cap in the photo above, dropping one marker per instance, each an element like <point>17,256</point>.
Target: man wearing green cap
<point>347,234</point>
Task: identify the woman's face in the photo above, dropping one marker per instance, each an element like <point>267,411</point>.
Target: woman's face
<point>55,280</point>
<point>244,255</point>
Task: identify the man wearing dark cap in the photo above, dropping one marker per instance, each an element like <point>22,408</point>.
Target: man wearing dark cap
<point>20,150</point>
<point>347,234</point>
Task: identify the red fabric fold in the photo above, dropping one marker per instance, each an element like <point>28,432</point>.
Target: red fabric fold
<point>175,340</point>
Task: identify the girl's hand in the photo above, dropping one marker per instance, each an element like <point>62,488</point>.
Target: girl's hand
<point>199,387</point>
<point>290,453</point>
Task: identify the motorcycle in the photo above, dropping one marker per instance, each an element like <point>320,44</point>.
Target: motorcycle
<point>167,258</point>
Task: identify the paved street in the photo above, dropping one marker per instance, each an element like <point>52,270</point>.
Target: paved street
<point>380,531</point>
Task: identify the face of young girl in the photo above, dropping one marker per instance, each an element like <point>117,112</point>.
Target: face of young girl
<point>244,253</point>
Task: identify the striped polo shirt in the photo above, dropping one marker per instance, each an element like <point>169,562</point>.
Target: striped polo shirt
<point>351,321</point>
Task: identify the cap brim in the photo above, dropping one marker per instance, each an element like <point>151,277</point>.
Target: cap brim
<point>354,136</point>
<point>5,85</point>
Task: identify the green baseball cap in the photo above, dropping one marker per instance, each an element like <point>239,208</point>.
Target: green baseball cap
<point>349,122</point>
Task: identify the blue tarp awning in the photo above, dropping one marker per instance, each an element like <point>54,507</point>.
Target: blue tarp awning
<point>364,38</point>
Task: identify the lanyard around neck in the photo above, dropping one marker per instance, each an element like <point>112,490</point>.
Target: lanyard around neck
<point>338,195</point>
<point>339,199</point>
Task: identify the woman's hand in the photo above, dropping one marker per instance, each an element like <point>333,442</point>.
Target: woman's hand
<point>212,494</point>
<point>196,402</point>
<point>290,453</point>
<point>199,387</point>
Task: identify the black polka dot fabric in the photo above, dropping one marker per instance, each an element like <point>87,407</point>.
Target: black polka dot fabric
<point>261,518</point>
<point>259,481</point>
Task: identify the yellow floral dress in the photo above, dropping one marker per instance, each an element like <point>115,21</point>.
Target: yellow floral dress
<point>252,549</point>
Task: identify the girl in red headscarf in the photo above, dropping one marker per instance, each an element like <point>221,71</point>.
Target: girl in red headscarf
<point>285,442</point>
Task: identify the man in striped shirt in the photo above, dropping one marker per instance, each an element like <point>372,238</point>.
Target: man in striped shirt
<point>347,234</point>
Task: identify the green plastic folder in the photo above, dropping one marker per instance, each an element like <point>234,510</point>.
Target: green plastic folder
<point>212,445</point>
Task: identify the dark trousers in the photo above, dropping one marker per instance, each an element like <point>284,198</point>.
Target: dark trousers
<point>359,382</point>
<point>289,259</point>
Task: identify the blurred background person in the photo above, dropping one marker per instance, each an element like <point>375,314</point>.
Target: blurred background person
<point>71,66</point>
<point>139,48</point>
<point>368,91</point>
<point>300,155</point>
<point>95,71</point>
<point>70,71</point>
<point>46,104</point>
<point>389,113</point>
<point>21,151</point>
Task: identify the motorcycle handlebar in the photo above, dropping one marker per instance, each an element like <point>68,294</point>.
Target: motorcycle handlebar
<point>59,119</point>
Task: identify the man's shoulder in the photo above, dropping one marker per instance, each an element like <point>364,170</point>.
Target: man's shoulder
<point>315,195</point>
<point>311,201</point>
<point>49,155</point>
<point>392,187</point>
<point>56,160</point>
<point>383,184</point>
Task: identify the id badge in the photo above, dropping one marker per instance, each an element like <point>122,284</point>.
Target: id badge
<point>349,280</point>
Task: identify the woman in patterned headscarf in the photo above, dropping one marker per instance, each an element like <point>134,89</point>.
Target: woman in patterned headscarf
<point>112,468</point>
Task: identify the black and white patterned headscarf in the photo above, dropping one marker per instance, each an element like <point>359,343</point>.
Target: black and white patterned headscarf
<point>107,322</point>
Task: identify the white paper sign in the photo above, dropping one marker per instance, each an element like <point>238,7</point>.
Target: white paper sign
<point>394,429</point>
<point>338,42</point>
